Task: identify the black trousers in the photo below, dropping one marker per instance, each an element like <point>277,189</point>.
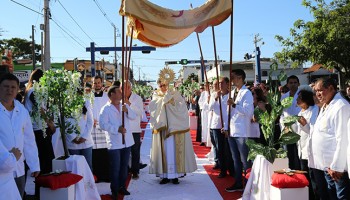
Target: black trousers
<point>45,151</point>
<point>293,157</point>
<point>100,164</point>
<point>223,152</point>
<point>135,153</point>
<point>199,127</point>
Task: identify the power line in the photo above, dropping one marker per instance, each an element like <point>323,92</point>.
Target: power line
<point>75,20</point>
<point>104,13</point>
<point>26,7</point>
<point>50,18</point>
<point>68,34</point>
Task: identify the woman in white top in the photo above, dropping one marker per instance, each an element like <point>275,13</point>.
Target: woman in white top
<point>81,144</point>
<point>43,140</point>
<point>308,115</point>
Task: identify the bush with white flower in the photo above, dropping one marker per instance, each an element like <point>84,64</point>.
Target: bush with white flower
<point>58,92</point>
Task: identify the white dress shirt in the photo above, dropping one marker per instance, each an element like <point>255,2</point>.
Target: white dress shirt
<point>137,106</point>
<point>85,123</point>
<point>330,137</point>
<point>304,147</point>
<point>8,163</point>
<point>110,121</point>
<point>215,107</point>
<point>242,114</point>
<point>294,109</point>
<point>29,106</point>
<point>17,131</point>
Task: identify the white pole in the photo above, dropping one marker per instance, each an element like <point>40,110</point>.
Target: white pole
<point>47,56</point>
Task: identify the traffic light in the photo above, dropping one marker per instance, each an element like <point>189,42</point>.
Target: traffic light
<point>104,52</point>
<point>183,62</point>
<point>171,62</point>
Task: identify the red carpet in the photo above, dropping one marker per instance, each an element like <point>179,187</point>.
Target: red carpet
<point>220,183</point>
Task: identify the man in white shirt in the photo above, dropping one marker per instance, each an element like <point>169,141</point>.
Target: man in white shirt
<point>219,123</point>
<point>119,138</point>
<point>16,129</point>
<point>136,104</point>
<point>293,110</point>
<point>242,109</point>
<point>330,138</point>
<point>99,149</point>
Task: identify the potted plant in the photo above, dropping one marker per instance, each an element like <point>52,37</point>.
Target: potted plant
<point>268,121</point>
<point>56,94</point>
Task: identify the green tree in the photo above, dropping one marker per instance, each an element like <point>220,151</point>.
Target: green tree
<point>326,40</point>
<point>21,48</point>
<point>190,85</point>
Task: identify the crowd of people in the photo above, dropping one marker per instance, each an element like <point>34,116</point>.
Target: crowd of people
<point>104,137</point>
<point>110,132</point>
<point>323,125</point>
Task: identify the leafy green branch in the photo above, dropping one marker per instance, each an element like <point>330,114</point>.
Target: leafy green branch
<point>267,119</point>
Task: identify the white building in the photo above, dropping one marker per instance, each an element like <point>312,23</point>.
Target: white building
<point>248,67</point>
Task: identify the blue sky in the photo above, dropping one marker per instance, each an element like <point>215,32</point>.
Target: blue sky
<point>266,18</point>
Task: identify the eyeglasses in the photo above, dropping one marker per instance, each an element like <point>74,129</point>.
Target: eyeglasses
<point>163,85</point>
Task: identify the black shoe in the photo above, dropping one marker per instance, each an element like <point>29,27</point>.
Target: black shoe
<point>234,188</point>
<point>123,191</point>
<point>114,196</point>
<point>222,175</point>
<point>142,165</point>
<point>202,144</point>
<point>175,181</point>
<point>135,176</point>
<point>164,181</point>
<point>216,167</point>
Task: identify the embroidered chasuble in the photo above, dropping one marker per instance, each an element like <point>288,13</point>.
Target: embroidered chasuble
<point>170,124</point>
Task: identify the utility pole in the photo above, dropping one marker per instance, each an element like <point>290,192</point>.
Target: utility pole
<point>257,59</point>
<point>33,47</point>
<point>42,50</point>
<point>47,16</point>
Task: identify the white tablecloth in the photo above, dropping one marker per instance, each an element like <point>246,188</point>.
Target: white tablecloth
<point>86,188</point>
<point>259,182</point>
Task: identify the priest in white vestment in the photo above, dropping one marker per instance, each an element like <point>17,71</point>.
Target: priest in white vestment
<point>204,106</point>
<point>172,152</point>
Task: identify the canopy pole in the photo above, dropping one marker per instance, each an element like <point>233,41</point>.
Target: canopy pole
<point>123,74</point>
<point>231,56</point>
<point>217,75</point>
<point>130,47</point>
<point>126,57</point>
<point>202,64</point>
<point>202,61</point>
